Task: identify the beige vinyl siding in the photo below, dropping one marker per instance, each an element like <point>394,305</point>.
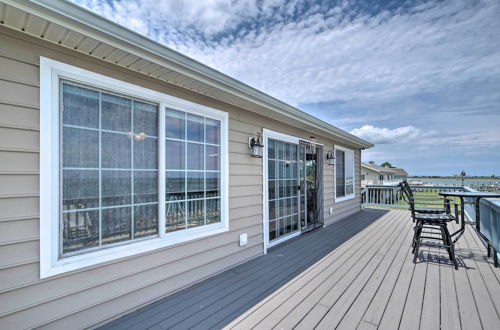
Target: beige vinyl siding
<point>96,294</point>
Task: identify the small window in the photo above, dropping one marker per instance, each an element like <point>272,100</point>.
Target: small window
<point>124,169</point>
<point>344,174</point>
<point>193,170</point>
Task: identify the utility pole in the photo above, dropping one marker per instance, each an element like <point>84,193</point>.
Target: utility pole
<point>463,174</point>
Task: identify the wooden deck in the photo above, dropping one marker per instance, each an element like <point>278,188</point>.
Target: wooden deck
<point>357,273</point>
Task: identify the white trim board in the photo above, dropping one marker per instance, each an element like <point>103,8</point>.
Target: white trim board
<point>350,196</point>
<point>50,264</point>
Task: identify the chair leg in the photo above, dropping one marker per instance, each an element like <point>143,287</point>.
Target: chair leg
<point>415,235</point>
<point>446,241</point>
<point>452,247</point>
<point>417,243</point>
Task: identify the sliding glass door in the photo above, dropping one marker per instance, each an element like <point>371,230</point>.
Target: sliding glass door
<point>283,183</point>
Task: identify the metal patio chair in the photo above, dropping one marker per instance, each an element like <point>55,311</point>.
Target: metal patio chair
<point>429,219</point>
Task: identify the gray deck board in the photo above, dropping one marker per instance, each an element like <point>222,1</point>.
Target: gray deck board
<point>355,274</point>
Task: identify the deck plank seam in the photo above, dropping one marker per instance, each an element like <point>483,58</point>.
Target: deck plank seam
<point>359,236</point>
<point>391,234</point>
<point>222,298</point>
<point>406,228</point>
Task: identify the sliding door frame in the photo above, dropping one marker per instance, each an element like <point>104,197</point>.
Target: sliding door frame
<point>270,134</point>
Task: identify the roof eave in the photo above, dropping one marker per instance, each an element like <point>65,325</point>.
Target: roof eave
<point>86,22</point>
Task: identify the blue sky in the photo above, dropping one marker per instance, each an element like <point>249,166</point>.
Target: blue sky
<point>420,79</point>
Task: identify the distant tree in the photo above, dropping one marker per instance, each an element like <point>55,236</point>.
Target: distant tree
<point>387,164</point>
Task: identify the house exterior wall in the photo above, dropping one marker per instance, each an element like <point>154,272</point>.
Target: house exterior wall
<point>94,295</point>
<point>371,176</point>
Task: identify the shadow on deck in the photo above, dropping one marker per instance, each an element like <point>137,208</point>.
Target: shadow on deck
<point>215,302</point>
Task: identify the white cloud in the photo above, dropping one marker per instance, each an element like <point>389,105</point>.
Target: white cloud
<point>332,54</point>
<point>379,135</point>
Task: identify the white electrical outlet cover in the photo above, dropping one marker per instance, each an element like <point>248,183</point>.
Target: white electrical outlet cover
<point>243,239</point>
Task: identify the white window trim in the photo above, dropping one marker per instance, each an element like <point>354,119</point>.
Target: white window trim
<point>350,196</point>
<point>50,264</point>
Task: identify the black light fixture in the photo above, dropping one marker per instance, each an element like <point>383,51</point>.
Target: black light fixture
<point>330,157</point>
<point>255,144</point>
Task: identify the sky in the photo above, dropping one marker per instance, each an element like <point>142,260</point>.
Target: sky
<point>419,79</point>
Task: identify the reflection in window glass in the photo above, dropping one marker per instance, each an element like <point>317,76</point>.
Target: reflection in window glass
<point>109,169</point>
<point>193,177</point>
<point>344,173</point>
<point>195,128</point>
<point>175,125</point>
<point>283,178</point>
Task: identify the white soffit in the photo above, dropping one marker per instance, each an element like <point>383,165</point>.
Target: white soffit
<point>73,27</point>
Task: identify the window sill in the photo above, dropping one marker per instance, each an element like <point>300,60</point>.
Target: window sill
<point>76,262</point>
<point>344,198</point>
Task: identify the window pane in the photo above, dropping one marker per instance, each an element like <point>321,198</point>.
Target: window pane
<point>195,156</point>
<point>213,210</point>
<point>195,185</point>
<point>195,213</point>
<point>80,106</point>
<point>146,153</point>
<point>195,128</point>
<point>340,173</point>
<point>175,216</point>
<point>145,220</point>
<point>80,230</point>
<point>80,189</point>
<point>213,158</point>
<point>271,169</point>
<point>272,210</point>
<point>145,118</point>
<point>213,184</point>
<point>116,223</point>
<point>212,128</point>
<point>116,188</point>
<point>110,166</point>
<point>272,230</point>
<point>80,147</point>
<point>175,125</point>
<point>271,151</point>
<point>116,150</point>
<point>174,154</point>
<point>145,186</point>
<point>175,185</point>
<point>349,173</point>
<point>116,113</point>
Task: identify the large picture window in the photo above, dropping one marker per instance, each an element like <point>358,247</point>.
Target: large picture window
<point>109,170</point>
<point>344,174</point>
<point>124,169</point>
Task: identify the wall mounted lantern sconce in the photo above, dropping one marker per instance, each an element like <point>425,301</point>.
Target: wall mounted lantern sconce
<point>312,144</point>
<point>330,157</point>
<point>255,144</point>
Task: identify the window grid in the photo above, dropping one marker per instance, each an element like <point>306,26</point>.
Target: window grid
<point>185,172</point>
<point>100,170</point>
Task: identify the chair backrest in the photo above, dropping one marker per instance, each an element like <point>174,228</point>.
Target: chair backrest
<point>408,197</point>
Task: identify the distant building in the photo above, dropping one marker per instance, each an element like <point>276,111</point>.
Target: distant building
<point>372,174</point>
